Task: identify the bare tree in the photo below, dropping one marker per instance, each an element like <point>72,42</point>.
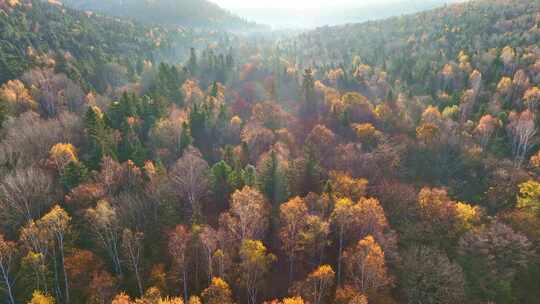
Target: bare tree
<point>7,254</point>
<point>25,194</point>
<point>248,216</point>
<point>103,220</point>
<point>178,244</point>
<point>209,240</point>
<point>29,138</point>
<point>521,129</point>
<point>132,245</point>
<point>57,222</point>
<point>189,178</point>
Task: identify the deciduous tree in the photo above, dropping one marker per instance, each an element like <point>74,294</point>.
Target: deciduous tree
<point>316,286</point>
<point>189,177</point>
<point>255,263</point>
<point>366,266</point>
<point>430,277</point>
<point>292,214</point>
<point>104,222</point>
<point>7,256</point>
<point>218,292</point>
<point>133,246</point>
<point>178,247</point>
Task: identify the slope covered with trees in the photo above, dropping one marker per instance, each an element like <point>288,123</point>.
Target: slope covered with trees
<point>394,161</point>
<point>192,13</point>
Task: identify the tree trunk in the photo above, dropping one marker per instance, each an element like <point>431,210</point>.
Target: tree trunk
<point>339,257</point>
<point>8,284</point>
<point>66,282</point>
<point>291,262</point>
<point>185,287</point>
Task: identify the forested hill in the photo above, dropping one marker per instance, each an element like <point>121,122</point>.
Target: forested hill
<point>415,47</point>
<point>80,44</point>
<point>95,50</point>
<point>193,13</point>
<point>395,161</point>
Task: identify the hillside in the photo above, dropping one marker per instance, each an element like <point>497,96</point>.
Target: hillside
<point>91,48</point>
<point>385,162</point>
<point>191,13</point>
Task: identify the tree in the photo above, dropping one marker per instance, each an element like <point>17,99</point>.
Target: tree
<point>315,287</point>
<point>100,141</point>
<point>104,221</point>
<point>7,255</point>
<point>220,175</point>
<point>366,266</point>
<point>218,292</point>
<point>521,129</point>
<point>308,89</point>
<point>24,196</point>
<point>428,134</point>
<point>343,220</point>
<point>271,178</point>
<point>430,277</point>
<point>209,240</point>
<point>491,258</point>
<point>192,63</point>
<point>314,237</point>
<point>529,197</point>
<point>80,267</point>
<point>132,243</point>
<point>367,134</point>
<point>248,216</point>
<point>321,140</point>
<point>102,287</point>
<point>370,216</point>
<point>16,97</point>
<point>485,129</point>
<point>255,262</point>
<point>343,185</point>
<point>40,298</point>
<point>292,215</point>
<point>189,177</point>
<point>61,155</point>
<point>178,245</point>
<point>57,222</point>
<point>348,295</point>
<point>37,241</point>
<point>532,99</point>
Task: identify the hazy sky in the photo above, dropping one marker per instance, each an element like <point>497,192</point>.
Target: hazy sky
<point>231,4</point>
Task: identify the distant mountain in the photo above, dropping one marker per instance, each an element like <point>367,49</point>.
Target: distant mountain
<point>192,13</point>
<point>335,14</point>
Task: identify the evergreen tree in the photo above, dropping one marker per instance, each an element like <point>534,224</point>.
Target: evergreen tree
<point>185,138</point>
<point>272,181</point>
<point>99,138</point>
<point>74,174</point>
<point>192,63</point>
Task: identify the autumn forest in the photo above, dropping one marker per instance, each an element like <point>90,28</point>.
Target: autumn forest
<point>206,159</point>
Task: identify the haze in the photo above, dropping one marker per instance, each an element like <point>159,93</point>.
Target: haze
<point>315,13</point>
<point>298,4</point>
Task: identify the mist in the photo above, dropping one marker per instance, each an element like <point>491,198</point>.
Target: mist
<point>302,14</point>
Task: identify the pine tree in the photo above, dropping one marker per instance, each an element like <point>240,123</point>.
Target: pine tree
<point>192,63</point>
<point>99,138</point>
<point>74,174</point>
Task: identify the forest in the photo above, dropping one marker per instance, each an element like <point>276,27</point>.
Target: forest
<point>384,162</point>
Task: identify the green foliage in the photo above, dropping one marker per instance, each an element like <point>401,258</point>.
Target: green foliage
<point>99,136</point>
<point>73,174</point>
<point>272,180</point>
